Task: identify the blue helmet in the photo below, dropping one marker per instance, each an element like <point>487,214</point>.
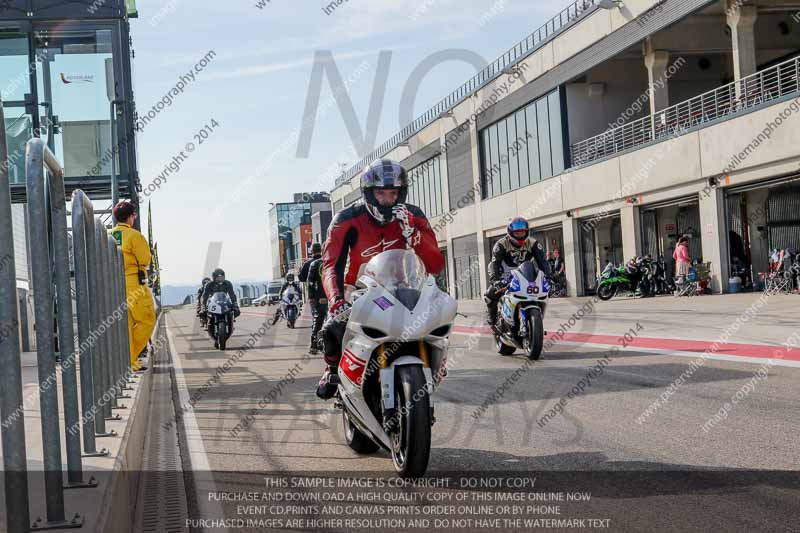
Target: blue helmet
<point>383,174</point>
<point>517,224</point>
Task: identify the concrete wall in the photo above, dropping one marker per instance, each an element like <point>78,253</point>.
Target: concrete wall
<point>624,82</point>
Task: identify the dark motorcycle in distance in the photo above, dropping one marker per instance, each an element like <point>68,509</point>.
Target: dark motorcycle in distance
<point>663,283</point>
<point>558,285</point>
<point>220,318</point>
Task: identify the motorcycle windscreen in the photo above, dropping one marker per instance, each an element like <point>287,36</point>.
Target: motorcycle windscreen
<point>291,295</point>
<point>221,301</point>
<point>400,272</point>
<point>528,271</point>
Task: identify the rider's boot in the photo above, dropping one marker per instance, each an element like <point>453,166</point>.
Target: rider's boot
<point>328,383</point>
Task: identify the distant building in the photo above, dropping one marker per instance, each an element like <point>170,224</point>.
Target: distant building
<point>291,228</point>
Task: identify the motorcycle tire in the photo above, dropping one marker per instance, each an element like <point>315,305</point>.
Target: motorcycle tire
<point>222,341</point>
<point>534,342</point>
<point>290,323</point>
<point>503,348</point>
<point>411,444</point>
<point>606,292</point>
<point>357,441</point>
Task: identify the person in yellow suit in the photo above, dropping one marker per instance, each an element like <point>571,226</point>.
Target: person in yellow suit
<point>136,254</point>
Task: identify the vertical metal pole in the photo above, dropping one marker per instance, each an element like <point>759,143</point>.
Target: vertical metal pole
<point>114,184</point>
<point>82,237</point>
<point>101,242</point>
<point>66,333</point>
<point>116,334</point>
<point>95,231</point>
<point>108,337</point>
<point>15,462</point>
<point>43,309</point>
<point>111,358</point>
<point>111,344</point>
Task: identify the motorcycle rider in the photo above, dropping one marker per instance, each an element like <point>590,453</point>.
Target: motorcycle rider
<point>200,295</point>
<point>289,282</point>
<point>218,283</point>
<point>381,221</point>
<point>311,275</point>
<point>515,248</point>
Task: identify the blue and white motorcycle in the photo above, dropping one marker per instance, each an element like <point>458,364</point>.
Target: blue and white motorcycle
<point>520,324</point>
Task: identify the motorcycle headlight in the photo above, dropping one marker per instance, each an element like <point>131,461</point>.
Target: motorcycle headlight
<point>514,285</point>
<point>546,285</point>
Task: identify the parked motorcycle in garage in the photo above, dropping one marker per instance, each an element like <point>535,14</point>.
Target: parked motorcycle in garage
<point>220,318</point>
<point>520,323</point>
<point>637,274</point>
<point>394,355</point>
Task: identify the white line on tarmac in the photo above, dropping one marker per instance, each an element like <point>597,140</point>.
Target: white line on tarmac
<point>201,468</point>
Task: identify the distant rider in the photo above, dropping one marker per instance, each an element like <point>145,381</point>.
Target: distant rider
<point>381,221</point>
<point>290,282</point>
<point>200,296</point>
<point>219,284</point>
<point>508,253</point>
<point>311,275</point>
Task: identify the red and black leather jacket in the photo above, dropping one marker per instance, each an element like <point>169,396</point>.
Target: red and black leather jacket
<point>355,236</point>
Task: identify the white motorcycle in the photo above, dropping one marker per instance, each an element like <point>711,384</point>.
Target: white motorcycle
<point>220,318</point>
<point>289,307</point>
<point>521,312</point>
<point>394,353</point>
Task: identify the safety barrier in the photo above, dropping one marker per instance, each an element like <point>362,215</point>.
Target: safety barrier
<point>102,354</point>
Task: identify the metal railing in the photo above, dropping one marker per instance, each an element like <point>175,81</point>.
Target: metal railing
<point>541,36</point>
<point>15,462</point>
<point>103,353</point>
<point>753,90</point>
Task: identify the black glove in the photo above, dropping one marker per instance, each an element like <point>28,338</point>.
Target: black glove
<point>236,312</point>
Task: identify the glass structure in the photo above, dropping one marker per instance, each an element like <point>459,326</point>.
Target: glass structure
<point>524,147</point>
<point>66,77</point>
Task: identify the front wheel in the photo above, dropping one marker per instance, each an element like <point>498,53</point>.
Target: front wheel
<point>357,441</point>
<point>606,291</point>
<point>503,348</point>
<point>411,444</point>
<point>534,340</point>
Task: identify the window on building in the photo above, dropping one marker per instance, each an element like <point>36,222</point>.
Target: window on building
<point>425,187</point>
<point>73,70</point>
<point>523,148</point>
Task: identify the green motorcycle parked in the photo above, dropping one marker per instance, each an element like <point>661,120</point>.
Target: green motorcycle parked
<point>624,278</point>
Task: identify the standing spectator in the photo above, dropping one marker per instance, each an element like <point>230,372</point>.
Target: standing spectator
<point>558,263</point>
<point>136,254</point>
<point>681,257</point>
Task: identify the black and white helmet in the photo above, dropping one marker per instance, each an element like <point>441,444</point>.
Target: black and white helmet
<point>383,174</point>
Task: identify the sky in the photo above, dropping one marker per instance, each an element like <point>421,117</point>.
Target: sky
<point>251,96</point>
